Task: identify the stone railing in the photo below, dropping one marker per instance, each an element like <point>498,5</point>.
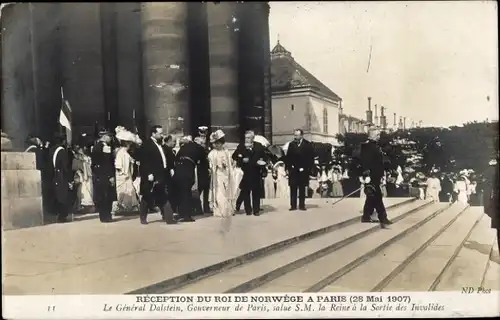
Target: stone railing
<point>21,189</point>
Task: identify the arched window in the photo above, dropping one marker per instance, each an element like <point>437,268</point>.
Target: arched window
<point>325,120</point>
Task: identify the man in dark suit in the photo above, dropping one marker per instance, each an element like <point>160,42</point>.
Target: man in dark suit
<point>299,162</point>
<point>252,157</point>
<point>373,167</point>
<point>168,148</point>
<point>491,193</point>
<point>62,178</point>
<point>188,158</point>
<point>203,175</point>
<point>103,176</point>
<point>153,171</point>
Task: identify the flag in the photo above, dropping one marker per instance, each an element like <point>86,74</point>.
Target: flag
<point>65,116</point>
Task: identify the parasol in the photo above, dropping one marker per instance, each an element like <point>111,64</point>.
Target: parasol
<point>262,140</point>
<point>285,147</point>
<point>276,151</point>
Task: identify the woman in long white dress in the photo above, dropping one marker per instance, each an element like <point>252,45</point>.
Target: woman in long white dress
<point>127,196</point>
<point>336,177</point>
<point>83,173</point>
<point>269,187</point>
<point>222,175</point>
<point>433,188</point>
<point>461,190</point>
<point>282,189</point>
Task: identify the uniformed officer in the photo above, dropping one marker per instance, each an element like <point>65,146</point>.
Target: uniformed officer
<point>103,176</point>
<point>187,159</point>
<point>62,178</point>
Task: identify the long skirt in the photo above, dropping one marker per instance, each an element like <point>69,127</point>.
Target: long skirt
<point>337,190</point>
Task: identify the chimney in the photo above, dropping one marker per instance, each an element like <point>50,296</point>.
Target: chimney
<point>400,122</point>
<point>404,123</point>
<point>369,114</point>
<point>376,117</point>
<point>383,120</point>
<point>395,124</point>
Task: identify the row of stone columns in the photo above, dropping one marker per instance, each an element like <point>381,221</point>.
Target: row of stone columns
<point>129,64</point>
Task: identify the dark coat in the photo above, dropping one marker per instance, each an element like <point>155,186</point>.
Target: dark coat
<point>252,172</point>
<point>103,169</point>
<point>151,163</point>
<point>491,191</point>
<point>203,173</point>
<point>372,161</point>
<point>62,174</point>
<point>299,157</point>
<point>189,156</point>
<point>170,155</point>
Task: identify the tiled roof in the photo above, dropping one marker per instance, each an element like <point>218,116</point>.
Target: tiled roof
<point>287,74</point>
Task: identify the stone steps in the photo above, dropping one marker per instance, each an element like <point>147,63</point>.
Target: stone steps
<point>430,247</point>
<point>335,222</point>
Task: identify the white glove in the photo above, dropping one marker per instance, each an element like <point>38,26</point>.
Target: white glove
<point>368,179</point>
<point>361,180</point>
<point>172,172</point>
<point>151,177</point>
<point>301,169</point>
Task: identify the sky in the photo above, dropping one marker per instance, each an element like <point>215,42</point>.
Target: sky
<point>431,61</point>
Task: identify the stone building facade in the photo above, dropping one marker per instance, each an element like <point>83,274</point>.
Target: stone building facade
<point>176,64</point>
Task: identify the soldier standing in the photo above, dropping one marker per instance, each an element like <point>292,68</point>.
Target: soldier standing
<point>103,174</point>
<point>62,178</point>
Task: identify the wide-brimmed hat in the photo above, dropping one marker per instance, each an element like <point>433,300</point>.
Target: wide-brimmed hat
<point>202,128</point>
<point>104,132</point>
<point>217,135</point>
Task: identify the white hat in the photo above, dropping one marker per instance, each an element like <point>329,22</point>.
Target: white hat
<point>217,135</point>
<point>123,134</point>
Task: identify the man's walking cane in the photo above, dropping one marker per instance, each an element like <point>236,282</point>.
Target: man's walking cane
<point>346,196</point>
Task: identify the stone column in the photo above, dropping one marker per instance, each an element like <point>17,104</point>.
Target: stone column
<point>82,64</point>
<point>108,18</point>
<point>165,65</point>
<point>18,113</point>
<point>268,120</point>
<point>223,53</point>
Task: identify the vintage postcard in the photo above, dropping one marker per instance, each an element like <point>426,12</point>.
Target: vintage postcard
<point>164,160</point>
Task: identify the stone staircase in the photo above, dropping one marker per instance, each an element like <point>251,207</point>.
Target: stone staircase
<point>430,247</point>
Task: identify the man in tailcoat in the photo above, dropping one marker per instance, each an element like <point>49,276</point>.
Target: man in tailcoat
<point>188,158</point>
<point>103,176</point>
<point>154,171</point>
<point>251,156</point>
<point>490,195</point>
<point>373,167</point>
<point>299,161</point>
<point>172,197</point>
<point>203,174</point>
<point>62,178</point>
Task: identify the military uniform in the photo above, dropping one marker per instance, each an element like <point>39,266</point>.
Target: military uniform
<point>62,179</point>
<point>187,159</point>
<point>103,177</point>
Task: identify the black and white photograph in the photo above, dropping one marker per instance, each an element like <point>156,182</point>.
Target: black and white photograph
<point>250,159</point>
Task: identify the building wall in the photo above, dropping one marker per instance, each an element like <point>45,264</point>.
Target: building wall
<point>306,114</point>
<point>288,113</point>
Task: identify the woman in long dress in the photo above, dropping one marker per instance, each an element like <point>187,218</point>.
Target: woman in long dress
<point>433,188</point>
<point>461,191</point>
<point>221,169</point>
<point>336,177</point>
<point>83,175</point>
<point>127,197</point>
<point>282,189</point>
<point>269,188</point>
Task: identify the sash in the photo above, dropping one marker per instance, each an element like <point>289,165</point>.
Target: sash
<point>29,148</point>
<point>54,157</point>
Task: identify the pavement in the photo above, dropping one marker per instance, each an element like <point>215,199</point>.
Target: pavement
<point>88,257</point>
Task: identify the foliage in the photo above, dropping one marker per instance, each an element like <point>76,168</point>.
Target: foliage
<point>469,146</point>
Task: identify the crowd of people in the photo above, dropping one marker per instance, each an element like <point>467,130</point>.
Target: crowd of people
<point>183,177</point>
